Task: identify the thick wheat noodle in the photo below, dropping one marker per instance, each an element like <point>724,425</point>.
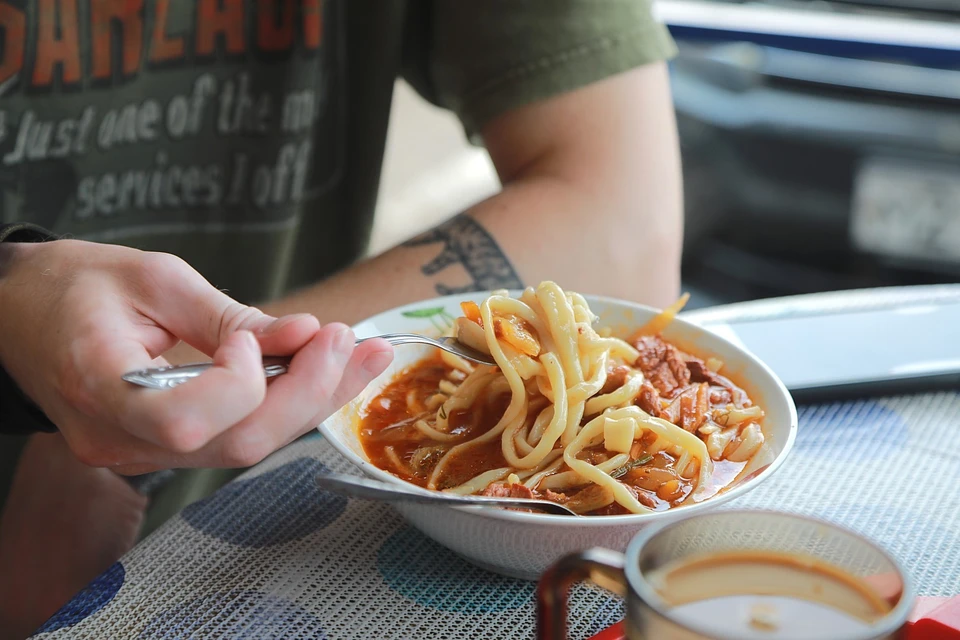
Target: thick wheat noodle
<point>539,425</point>
<point>544,389</point>
<point>588,388</point>
<point>568,411</point>
<point>413,403</point>
<point>447,387</point>
<point>520,442</point>
<point>569,371</point>
<point>515,414</point>
<point>504,358</point>
<point>527,367</point>
<point>424,428</point>
<point>522,438</point>
<point>557,461</point>
<point>591,473</point>
<point>480,482</point>
<point>525,440</point>
<point>577,396</point>
<point>539,418</point>
<point>624,395</point>
<point>513,419</point>
<point>464,446</point>
<point>459,450</point>
<point>456,362</point>
<point>465,395</point>
<point>558,422</point>
<point>529,298</point>
<point>582,390</point>
<point>673,435</point>
<point>662,428</point>
<point>433,402</point>
<point>567,479</point>
<point>560,317</point>
<point>554,457</point>
<point>395,460</point>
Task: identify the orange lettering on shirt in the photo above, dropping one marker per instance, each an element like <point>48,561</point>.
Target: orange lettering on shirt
<point>213,20</point>
<point>103,14</point>
<point>58,42</point>
<point>13,26</point>
<point>163,48</point>
<point>273,37</point>
<point>312,23</point>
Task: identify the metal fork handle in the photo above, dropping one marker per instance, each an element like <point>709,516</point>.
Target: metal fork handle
<point>175,375</point>
<point>366,489</point>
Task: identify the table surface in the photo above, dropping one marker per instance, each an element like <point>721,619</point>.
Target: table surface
<point>270,556</point>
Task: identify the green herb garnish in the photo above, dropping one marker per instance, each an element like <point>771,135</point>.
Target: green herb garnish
<point>633,464</point>
<point>423,313</point>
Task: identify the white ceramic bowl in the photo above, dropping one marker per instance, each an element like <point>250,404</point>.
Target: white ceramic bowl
<point>523,544</point>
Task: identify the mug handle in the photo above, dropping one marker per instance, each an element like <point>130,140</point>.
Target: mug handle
<point>601,566</point>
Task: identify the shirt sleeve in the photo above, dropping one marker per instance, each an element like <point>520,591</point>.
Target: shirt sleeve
<point>24,232</point>
<point>482,59</point>
<point>18,415</point>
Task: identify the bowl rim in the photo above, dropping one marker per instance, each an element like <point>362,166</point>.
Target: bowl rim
<point>639,519</point>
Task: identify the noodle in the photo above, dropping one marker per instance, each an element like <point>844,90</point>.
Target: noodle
<point>561,411</point>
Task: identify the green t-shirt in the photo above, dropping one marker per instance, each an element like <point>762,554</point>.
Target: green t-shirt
<point>247,136</point>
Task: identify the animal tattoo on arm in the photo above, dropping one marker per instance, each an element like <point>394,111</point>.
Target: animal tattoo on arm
<point>467,243</point>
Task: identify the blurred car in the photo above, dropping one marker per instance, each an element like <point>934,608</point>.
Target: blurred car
<point>821,143</point>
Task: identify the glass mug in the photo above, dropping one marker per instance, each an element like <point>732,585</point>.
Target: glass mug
<point>740,575</point>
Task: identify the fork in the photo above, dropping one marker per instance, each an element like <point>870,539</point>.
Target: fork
<point>367,489</point>
<point>174,375</point>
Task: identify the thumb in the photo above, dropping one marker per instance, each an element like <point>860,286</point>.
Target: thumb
<point>201,315</point>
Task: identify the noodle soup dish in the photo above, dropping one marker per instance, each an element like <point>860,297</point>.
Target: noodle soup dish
<point>623,413</point>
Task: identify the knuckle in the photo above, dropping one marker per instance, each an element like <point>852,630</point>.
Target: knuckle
<point>237,316</point>
<point>154,271</point>
<point>75,293</point>
<point>183,435</point>
<point>322,392</point>
<point>324,388</point>
<point>249,393</point>
<point>72,386</point>
<point>334,328</point>
<point>332,402</point>
<point>328,387</point>
<point>92,455</point>
<point>162,265</point>
<point>243,451</point>
<point>86,454</point>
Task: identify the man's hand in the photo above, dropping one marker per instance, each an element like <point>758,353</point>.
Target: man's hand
<point>76,316</point>
<point>63,525</point>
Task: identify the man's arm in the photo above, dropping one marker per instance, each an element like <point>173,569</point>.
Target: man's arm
<point>592,199</point>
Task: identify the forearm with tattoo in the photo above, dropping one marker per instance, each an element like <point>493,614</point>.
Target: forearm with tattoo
<point>465,242</point>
